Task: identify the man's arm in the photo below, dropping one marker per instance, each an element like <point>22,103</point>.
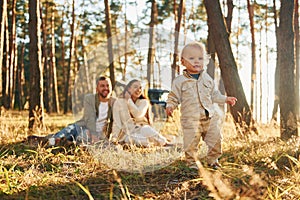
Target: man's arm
<point>89,116</point>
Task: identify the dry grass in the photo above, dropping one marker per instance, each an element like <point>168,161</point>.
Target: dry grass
<point>135,159</point>
<point>254,167</point>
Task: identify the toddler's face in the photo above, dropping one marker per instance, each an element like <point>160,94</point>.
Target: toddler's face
<point>192,59</point>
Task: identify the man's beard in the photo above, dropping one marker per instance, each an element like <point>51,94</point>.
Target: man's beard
<point>104,96</point>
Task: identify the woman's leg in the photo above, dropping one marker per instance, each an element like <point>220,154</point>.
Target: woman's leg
<point>153,135</point>
<point>147,136</point>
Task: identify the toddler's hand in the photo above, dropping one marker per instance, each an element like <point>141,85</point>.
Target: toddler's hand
<point>169,111</point>
<point>231,100</point>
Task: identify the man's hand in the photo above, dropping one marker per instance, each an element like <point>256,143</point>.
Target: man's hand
<point>94,138</point>
<point>231,100</point>
<point>169,111</point>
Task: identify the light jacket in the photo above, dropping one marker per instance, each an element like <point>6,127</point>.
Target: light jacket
<point>90,114</point>
<point>195,96</point>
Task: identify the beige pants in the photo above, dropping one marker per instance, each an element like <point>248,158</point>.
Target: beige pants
<point>209,130</point>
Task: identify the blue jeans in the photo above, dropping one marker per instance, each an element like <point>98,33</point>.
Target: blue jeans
<point>73,133</point>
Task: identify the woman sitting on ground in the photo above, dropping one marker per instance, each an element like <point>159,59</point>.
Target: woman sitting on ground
<point>132,119</point>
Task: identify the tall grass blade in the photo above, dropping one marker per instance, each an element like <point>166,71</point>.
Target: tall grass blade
<point>85,190</point>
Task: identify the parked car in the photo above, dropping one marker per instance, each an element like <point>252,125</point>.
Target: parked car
<point>158,98</point>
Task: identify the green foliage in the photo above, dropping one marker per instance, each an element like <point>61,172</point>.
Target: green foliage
<point>164,9</point>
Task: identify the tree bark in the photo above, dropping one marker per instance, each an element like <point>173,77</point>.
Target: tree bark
<point>19,94</point>
<point>211,50</point>
<point>109,43</point>
<point>36,77</point>
<point>86,66</point>
<point>267,57</point>
<point>175,67</point>
<point>297,56</point>
<point>5,66</point>
<point>12,55</point>
<point>151,48</point>
<point>3,12</point>
<point>288,121</point>
<point>55,100</point>
<point>260,79</point>
<point>241,111</point>
<point>46,70</point>
<point>126,45</point>
<point>277,88</point>
<point>228,18</point>
<point>71,52</point>
<point>62,45</point>
<point>253,52</point>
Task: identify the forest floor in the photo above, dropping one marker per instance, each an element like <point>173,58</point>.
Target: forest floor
<point>254,166</point>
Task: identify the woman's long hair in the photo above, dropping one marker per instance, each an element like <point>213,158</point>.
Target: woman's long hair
<point>128,86</point>
<point>142,96</point>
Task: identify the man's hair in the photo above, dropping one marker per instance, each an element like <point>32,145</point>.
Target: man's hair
<point>102,78</point>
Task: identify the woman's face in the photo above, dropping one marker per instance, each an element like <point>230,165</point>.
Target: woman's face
<point>135,89</point>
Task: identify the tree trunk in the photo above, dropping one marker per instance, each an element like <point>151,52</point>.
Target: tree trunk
<point>296,28</point>
<point>5,67</point>
<point>119,53</point>
<point>184,22</point>
<point>241,111</point>
<point>67,81</point>
<point>276,87</point>
<point>228,18</point>
<point>109,43</point>
<point>151,48</point>
<point>3,16</point>
<point>253,52</point>
<point>267,57</point>
<point>55,107</point>
<point>12,55</point>
<point>288,122</point>
<point>211,50</point>
<point>86,66</point>
<point>36,78</point>
<point>46,70</point>
<point>19,94</point>
<point>126,44</point>
<point>76,60</point>
<point>176,34</point>
<point>62,46</point>
<point>260,79</point>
